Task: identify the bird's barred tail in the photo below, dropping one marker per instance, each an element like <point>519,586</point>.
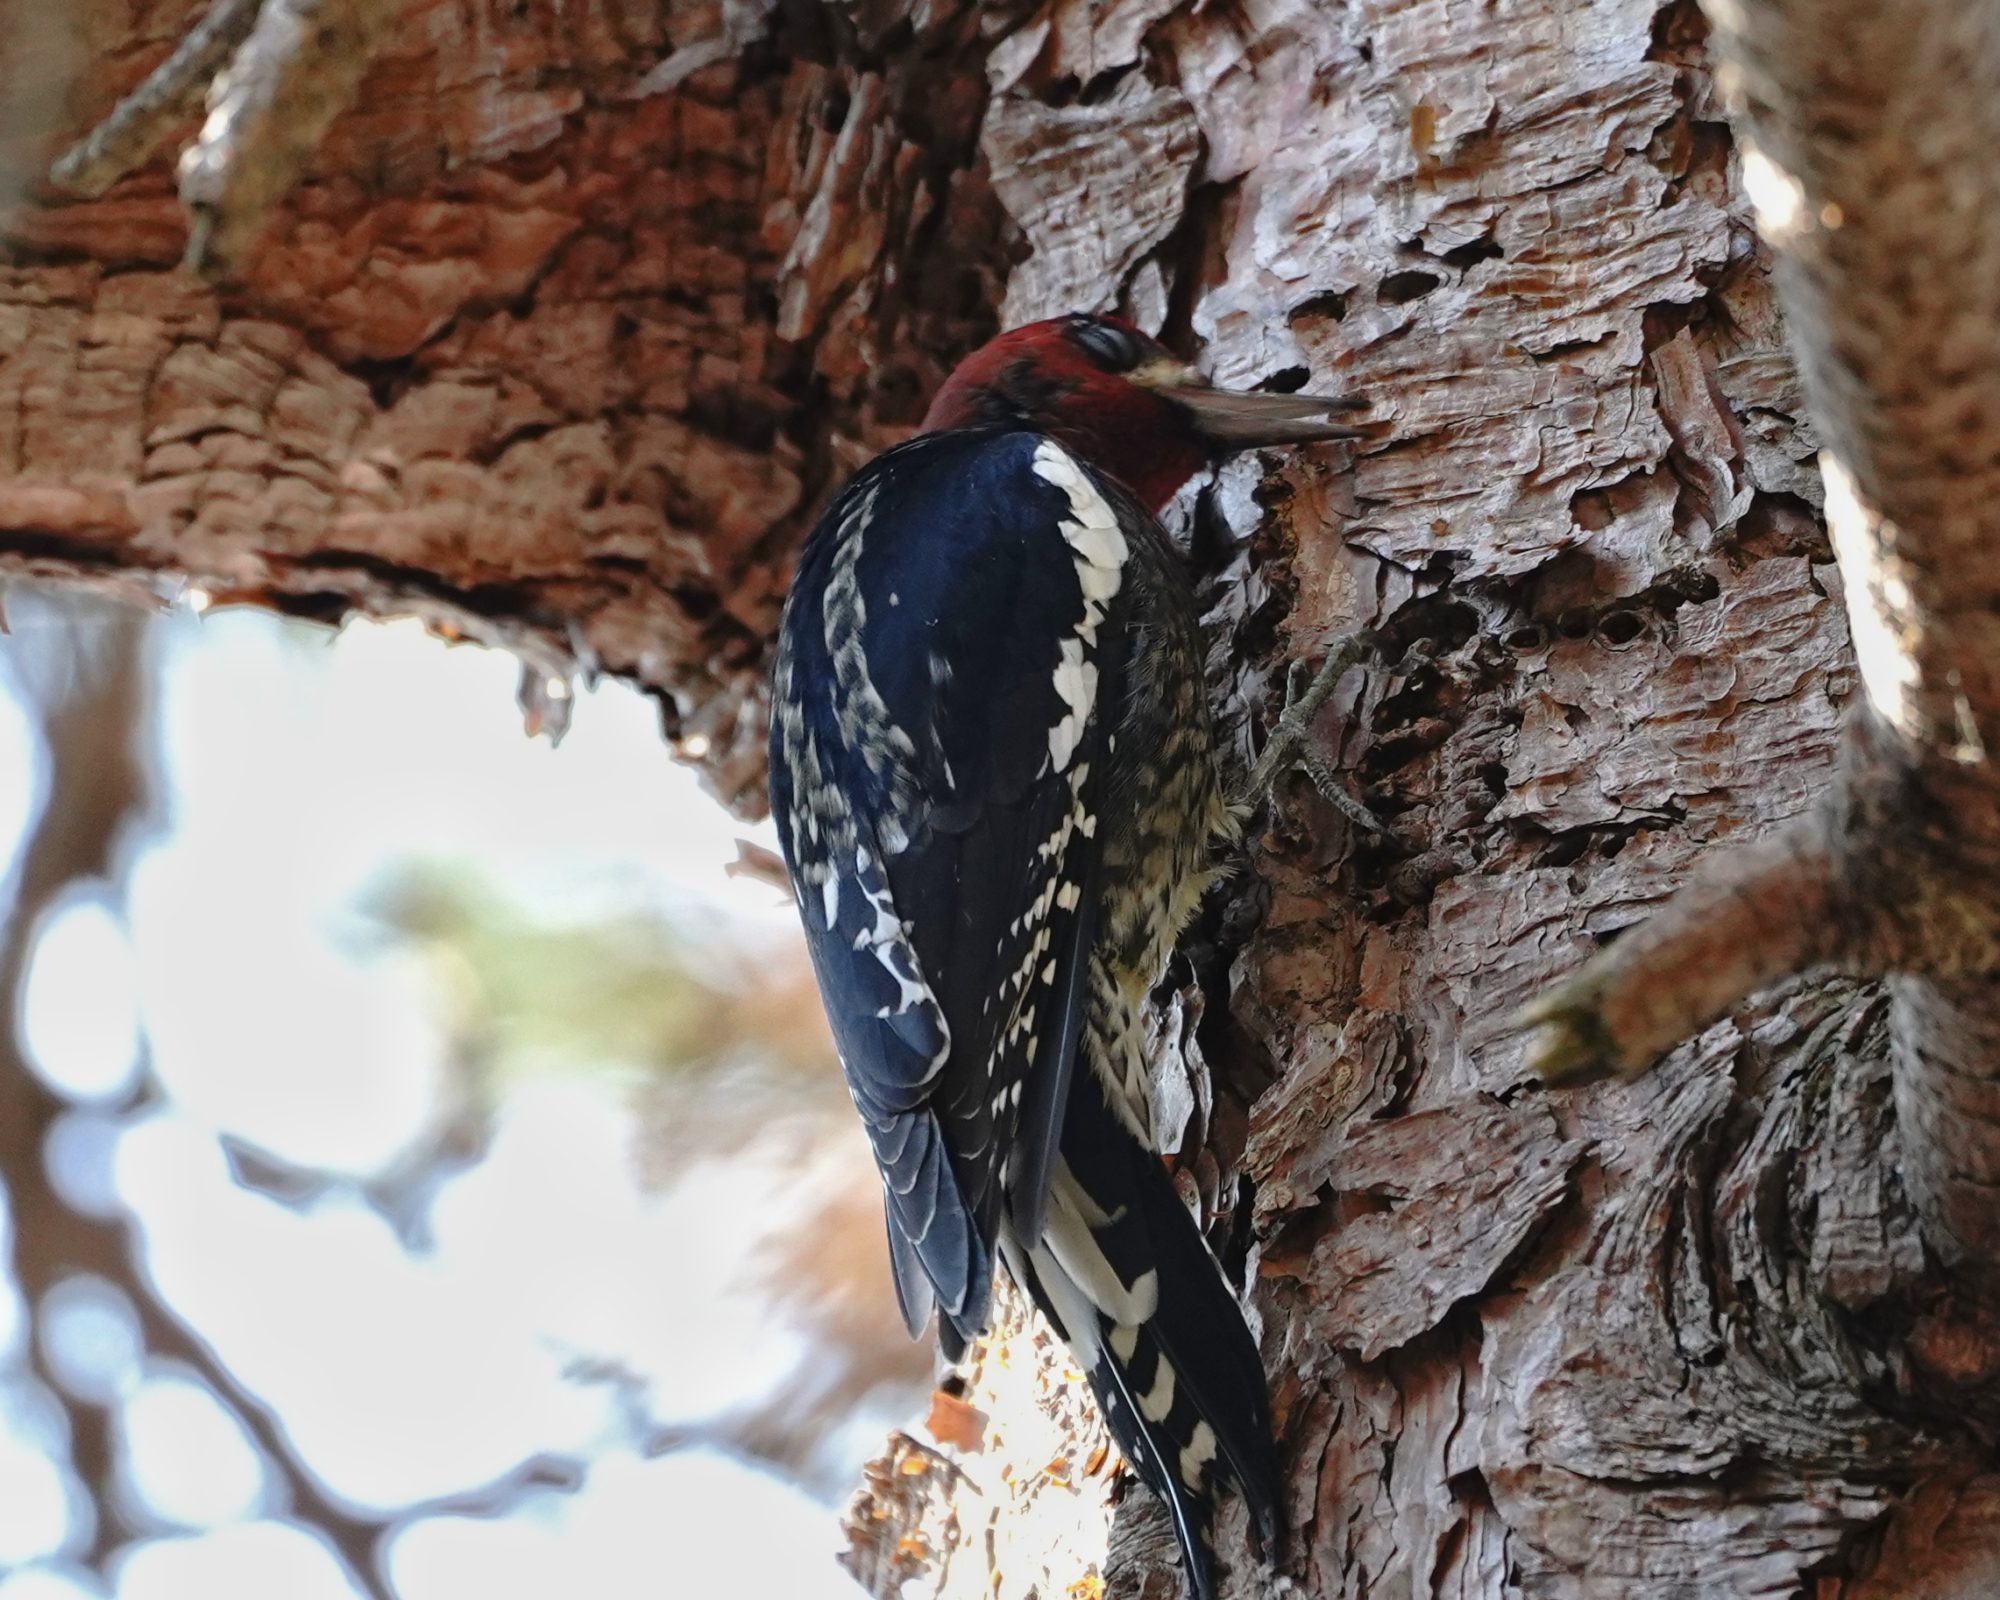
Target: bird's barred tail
<point>1122,1272</point>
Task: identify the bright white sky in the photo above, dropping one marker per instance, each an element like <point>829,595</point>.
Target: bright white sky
<point>297,776</point>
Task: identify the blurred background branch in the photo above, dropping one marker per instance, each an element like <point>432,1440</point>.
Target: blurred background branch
<point>696,1032</point>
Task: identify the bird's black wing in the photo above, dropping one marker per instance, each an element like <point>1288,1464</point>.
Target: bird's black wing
<point>936,754</point>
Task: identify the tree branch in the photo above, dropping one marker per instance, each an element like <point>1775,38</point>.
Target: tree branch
<point>1872,150</point>
<point>99,790</point>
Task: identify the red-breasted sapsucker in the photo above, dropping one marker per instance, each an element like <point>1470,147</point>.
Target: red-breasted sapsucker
<point>995,783</point>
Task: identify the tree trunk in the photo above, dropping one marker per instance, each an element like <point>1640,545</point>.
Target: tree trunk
<point>579,312</point>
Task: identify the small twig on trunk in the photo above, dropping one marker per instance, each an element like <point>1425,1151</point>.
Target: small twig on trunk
<point>1863,883</point>
<point>300,68</point>
<point>171,91</point>
<point>1754,916</point>
<point>292,67</point>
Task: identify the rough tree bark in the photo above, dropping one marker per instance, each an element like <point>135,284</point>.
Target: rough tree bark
<point>579,310</point>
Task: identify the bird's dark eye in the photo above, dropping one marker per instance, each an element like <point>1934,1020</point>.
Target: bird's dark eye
<point>1112,347</point>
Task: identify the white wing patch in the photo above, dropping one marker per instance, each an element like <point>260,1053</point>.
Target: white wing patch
<point>1076,682</point>
<point>1059,888</point>
<point>866,728</point>
<point>887,938</point>
<point>1069,1237</point>
<point>1098,549</point>
<point>1098,553</point>
<point>1199,1452</point>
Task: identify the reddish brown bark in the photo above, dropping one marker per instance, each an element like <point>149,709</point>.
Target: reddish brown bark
<point>578,314</point>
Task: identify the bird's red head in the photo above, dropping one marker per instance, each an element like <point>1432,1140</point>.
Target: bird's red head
<point>1117,399</point>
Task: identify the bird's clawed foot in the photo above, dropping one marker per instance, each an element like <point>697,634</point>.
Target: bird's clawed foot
<point>1291,745</point>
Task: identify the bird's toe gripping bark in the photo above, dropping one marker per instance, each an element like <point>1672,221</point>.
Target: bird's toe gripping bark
<point>1291,746</point>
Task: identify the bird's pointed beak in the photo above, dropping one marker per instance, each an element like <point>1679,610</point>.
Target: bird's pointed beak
<point>1233,420</point>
